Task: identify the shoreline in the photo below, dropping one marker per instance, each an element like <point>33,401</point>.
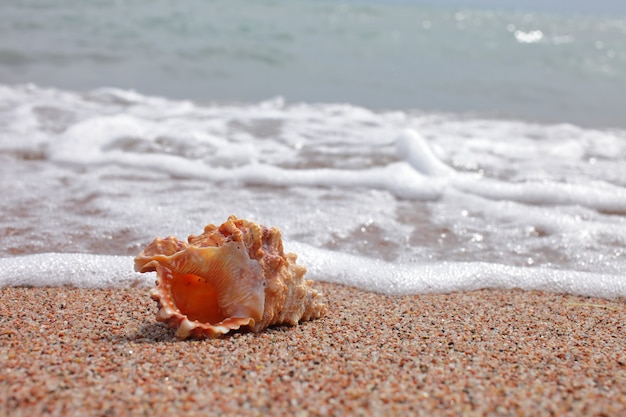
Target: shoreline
<point>69,351</point>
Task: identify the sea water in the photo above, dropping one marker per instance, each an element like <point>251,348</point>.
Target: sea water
<point>400,147</point>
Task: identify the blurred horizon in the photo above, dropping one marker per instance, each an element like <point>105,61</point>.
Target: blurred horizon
<point>480,57</point>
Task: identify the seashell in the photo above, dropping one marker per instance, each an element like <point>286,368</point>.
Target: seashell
<point>229,277</point>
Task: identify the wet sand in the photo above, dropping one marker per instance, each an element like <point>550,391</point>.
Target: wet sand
<point>84,352</point>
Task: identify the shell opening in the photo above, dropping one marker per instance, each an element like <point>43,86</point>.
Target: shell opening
<point>196,298</point>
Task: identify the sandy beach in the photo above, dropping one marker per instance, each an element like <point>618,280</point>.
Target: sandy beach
<point>101,352</point>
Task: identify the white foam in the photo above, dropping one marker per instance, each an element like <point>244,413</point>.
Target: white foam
<point>397,279</point>
<point>99,271</point>
<point>414,149</point>
<point>91,142</point>
<point>596,195</point>
<point>420,174</point>
<point>71,269</point>
<point>411,188</point>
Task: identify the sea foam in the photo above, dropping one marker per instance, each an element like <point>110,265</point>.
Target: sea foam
<point>70,269</point>
<point>419,175</point>
<point>101,271</point>
<point>425,202</point>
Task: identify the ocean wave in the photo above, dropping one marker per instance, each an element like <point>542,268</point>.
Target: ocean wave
<point>103,171</point>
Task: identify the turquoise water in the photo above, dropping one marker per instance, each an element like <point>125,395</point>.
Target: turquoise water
<point>562,62</point>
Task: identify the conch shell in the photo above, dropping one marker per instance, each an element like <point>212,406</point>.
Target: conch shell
<point>229,277</point>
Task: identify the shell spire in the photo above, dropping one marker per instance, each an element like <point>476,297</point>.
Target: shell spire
<point>229,277</point>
